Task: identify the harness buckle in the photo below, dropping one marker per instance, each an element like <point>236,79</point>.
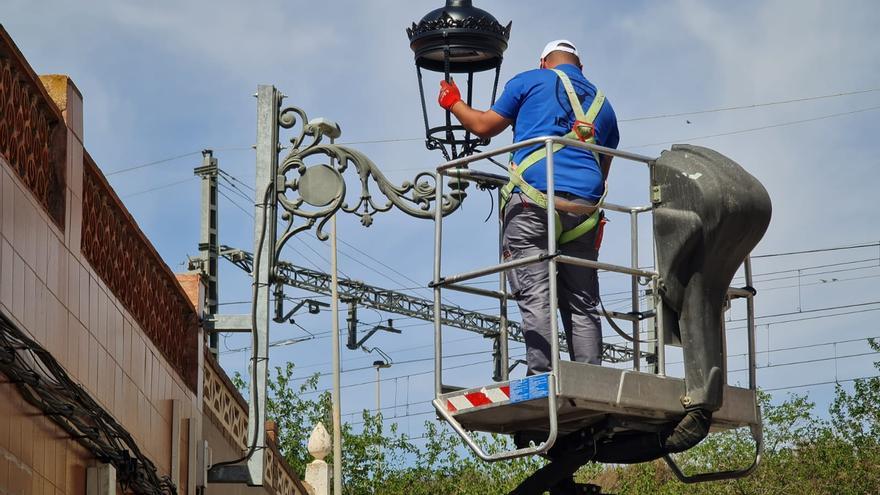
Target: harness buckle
<point>583,130</point>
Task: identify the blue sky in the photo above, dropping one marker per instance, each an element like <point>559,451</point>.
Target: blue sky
<point>167,78</point>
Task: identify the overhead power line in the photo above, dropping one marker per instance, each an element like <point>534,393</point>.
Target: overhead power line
<point>744,107</point>
<point>757,279</point>
<point>760,128</point>
<point>792,363</point>
<point>815,384</point>
<point>171,159</point>
<point>846,313</point>
<point>236,179</point>
<point>681,114</point>
<point>150,164</point>
<point>397,302</point>
<point>157,188</point>
<point>769,351</point>
<point>630,119</point>
<point>817,250</point>
<point>816,310</point>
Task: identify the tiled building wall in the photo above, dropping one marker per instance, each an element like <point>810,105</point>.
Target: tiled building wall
<point>36,456</point>
<point>54,274</point>
<point>53,293</point>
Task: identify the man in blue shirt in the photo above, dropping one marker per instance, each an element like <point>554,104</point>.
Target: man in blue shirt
<point>540,103</point>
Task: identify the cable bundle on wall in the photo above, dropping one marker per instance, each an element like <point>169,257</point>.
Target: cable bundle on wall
<point>44,383</point>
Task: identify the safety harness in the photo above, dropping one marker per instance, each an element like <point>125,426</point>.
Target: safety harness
<point>583,130</point>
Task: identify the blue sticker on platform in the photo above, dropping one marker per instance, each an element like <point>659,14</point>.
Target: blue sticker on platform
<point>529,388</point>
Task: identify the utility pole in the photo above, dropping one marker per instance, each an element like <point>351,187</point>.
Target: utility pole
<point>268,105</point>
<point>209,247</point>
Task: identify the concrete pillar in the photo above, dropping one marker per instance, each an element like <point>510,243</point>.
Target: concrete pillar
<point>68,98</point>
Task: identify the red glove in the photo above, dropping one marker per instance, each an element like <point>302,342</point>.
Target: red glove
<point>449,94</point>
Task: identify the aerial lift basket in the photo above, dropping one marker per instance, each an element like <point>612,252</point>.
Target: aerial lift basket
<point>708,214</point>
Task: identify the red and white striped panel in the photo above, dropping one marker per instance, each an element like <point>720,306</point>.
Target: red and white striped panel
<point>476,399</point>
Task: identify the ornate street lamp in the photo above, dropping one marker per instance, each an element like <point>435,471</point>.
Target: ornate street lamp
<point>457,39</point>
<point>306,189</point>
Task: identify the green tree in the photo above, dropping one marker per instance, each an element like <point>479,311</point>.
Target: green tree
<point>377,458</point>
<point>856,416</point>
<point>802,453</point>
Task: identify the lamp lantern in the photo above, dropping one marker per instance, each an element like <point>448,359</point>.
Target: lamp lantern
<point>457,39</point>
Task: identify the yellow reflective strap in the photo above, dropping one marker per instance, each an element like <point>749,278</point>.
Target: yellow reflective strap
<point>581,229</point>
<point>572,96</point>
<point>539,197</point>
<point>588,224</point>
<point>595,107</point>
<point>517,181</point>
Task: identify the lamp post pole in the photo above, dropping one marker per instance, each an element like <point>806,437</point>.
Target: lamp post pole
<point>379,364</point>
<point>337,388</point>
<point>337,414</point>
<point>378,391</point>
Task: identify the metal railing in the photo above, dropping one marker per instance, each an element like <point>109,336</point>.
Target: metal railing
<point>552,258</point>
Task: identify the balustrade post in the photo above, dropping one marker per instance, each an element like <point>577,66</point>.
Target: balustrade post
<point>318,472</point>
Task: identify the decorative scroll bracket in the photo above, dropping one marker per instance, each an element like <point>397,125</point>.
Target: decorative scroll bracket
<point>314,193</point>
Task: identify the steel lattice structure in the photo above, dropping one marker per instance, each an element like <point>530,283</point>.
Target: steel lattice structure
<point>399,303</point>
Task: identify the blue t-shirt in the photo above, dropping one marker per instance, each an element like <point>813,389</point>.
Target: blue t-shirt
<point>537,103</point>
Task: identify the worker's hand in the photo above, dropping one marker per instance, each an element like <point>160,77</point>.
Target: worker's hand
<point>449,94</point>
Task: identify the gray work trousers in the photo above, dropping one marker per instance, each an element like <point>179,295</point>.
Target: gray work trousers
<point>525,234</point>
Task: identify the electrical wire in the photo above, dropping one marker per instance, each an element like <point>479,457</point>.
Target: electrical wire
<point>251,215</point>
<point>151,164</point>
<point>817,250</point>
<point>236,179</point>
<point>221,193</point>
<point>673,115</point>
<point>792,363</point>
<point>224,177</point>
<point>758,353</point>
<point>803,311</point>
<point>44,384</point>
<point>743,107</point>
<point>234,191</point>
<point>157,188</point>
<point>815,384</point>
<point>172,158</point>
<point>630,119</point>
<point>736,328</point>
<point>626,300</point>
<point>229,177</point>
<point>760,128</point>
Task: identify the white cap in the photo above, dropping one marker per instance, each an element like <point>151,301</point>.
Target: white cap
<point>559,45</point>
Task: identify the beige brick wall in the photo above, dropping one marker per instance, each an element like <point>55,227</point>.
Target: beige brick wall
<point>53,294</point>
<point>36,456</point>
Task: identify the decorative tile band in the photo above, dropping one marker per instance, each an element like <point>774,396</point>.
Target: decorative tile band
<point>132,269</point>
<point>33,136</point>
